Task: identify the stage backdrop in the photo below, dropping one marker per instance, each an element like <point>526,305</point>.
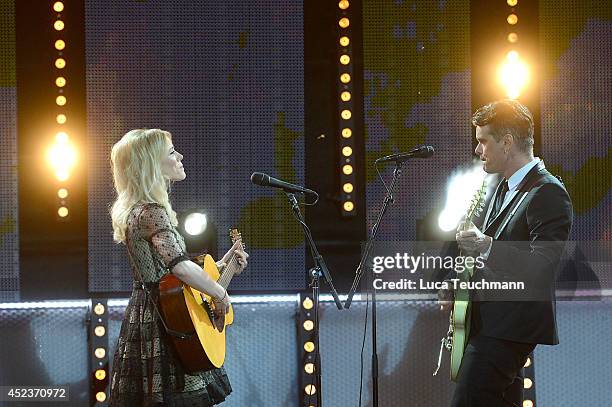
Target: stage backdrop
<point>226,79</point>
<point>9,207</point>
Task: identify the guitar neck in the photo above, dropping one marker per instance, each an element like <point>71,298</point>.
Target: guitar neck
<point>229,272</point>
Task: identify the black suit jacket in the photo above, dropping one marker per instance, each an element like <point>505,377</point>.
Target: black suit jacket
<point>529,237</point>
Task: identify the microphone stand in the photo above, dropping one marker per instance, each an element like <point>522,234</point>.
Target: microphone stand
<point>319,270</point>
<point>359,273</point>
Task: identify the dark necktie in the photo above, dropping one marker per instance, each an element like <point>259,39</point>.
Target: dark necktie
<point>499,200</point>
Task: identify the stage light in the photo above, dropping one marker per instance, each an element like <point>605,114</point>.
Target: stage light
<point>346,114</point>
<point>345,41</point>
<point>513,75</point>
<point>99,309</point>
<point>310,389</point>
<point>100,330</point>
<point>62,155</point>
<point>345,96</point>
<point>512,3</point>
<point>512,56</point>
<point>527,403</point>
<point>62,193</point>
<point>347,151</point>
<point>60,45</point>
<point>309,346</point>
<point>307,303</point>
<point>344,22</point>
<point>347,169</point>
<point>348,187</point>
<point>343,4</point>
<point>100,396</point>
<point>195,223</point>
<point>100,374</point>
<point>58,25</point>
<point>459,194</point>
<point>60,81</point>
<point>308,325</point>
<point>527,383</point>
<point>348,206</point>
<point>512,19</point>
<point>62,212</point>
<point>346,132</point>
<point>100,353</point>
<point>345,78</point>
<point>309,368</point>
<point>61,137</point>
<point>60,100</point>
<point>62,174</point>
<point>60,118</point>
<point>345,59</point>
<point>60,63</point>
<point>58,6</point>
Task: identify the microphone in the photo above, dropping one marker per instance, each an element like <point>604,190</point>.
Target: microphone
<point>419,152</point>
<point>265,180</point>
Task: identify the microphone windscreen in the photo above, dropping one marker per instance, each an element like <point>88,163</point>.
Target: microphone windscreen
<point>258,178</point>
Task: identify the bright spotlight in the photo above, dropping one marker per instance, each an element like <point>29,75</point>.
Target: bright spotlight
<point>62,156</point>
<point>513,75</point>
<point>460,191</point>
<point>195,223</point>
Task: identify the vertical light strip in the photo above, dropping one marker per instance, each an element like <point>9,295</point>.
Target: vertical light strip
<point>309,379</point>
<point>529,399</point>
<point>61,154</point>
<point>98,351</point>
<point>346,120</point>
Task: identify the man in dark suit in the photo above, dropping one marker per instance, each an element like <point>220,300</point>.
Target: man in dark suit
<point>522,238</point>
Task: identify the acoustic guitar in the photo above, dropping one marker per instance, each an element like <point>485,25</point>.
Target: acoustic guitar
<point>459,326</point>
<point>197,332</point>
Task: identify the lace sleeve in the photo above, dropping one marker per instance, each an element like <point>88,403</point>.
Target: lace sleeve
<point>156,228</point>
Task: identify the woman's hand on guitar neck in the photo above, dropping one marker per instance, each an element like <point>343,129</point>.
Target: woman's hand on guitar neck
<point>241,257</point>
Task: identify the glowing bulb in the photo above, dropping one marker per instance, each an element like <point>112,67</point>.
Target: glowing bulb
<point>307,303</point>
<point>348,187</point>
<point>62,212</point>
<point>345,59</point>
<point>345,96</point>
<point>60,63</point>
<point>347,151</point>
<point>345,78</point>
<point>60,118</point>
<point>345,41</point>
<point>58,25</point>
<point>60,45</point>
<point>343,4</point>
<point>62,193</point>
<point>60,81</point>
<point>308,325</point>
<point>309,346</point>
<point>347,169</point>
<point>60,100</point>
<point>346,114</point>
<point>195,223</point>
<point>349,206</point>
<point>512,19</point>
<point>58,6</point>
<point>346,132</point>
<point>344,22</point>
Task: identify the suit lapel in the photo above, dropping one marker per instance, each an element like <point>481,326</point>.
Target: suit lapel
<point>520,188</point>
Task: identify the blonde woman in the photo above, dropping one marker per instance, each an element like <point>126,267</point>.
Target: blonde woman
<point>146,371</point>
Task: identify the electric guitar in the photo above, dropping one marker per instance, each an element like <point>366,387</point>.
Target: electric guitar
<point>197,332</point>
<point>459,326</point>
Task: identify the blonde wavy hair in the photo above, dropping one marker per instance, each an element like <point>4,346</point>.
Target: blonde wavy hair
<point>137,174</point>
